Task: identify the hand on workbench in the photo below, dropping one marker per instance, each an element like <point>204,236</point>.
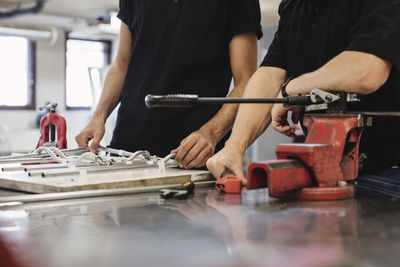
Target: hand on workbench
<point>195,150</point>
<point>93,131</point>
<point>227,158</point>
<point>280,122</point>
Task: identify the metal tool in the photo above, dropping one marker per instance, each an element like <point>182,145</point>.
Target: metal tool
<point>51,162</point>
<point>229,183</point>
<point>181,192</point>
<point>320,168</point>
<point>51,124</point>
<point>178,101</point>
<point>23,199</point>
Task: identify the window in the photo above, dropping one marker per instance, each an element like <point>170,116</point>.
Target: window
<point>17,73</point>
<point>86,62</point>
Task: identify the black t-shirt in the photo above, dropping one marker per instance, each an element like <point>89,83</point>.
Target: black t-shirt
<point>178,46</point>
<point>311,32</point>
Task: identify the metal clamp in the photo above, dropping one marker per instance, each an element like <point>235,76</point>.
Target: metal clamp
<point>317,95</point>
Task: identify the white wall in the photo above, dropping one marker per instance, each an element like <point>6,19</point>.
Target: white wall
<point>264,147</point>
<point>17,132</point>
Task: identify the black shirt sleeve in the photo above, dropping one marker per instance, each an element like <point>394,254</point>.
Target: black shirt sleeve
<point>378,30</point>
<point>276,52</point>
<point>123,12</point>
<point>244,16</point>
<point>275,56</point>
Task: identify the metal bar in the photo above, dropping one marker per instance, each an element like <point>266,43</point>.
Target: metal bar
<point>28,168</point>
<point>95,169</point>
<point>31,161</point>
<point>29,156</point>
<point>376,114</point>
<point>157,101</point>
<point>239,100</point>
<point>12,168</point>
<point>17,200</point>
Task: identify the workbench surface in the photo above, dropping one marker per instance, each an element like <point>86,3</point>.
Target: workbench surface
<point>208,229</point>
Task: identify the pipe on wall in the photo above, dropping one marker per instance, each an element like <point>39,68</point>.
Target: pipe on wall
<point>44,35</point>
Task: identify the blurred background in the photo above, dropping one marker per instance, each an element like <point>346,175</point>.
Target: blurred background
<point>58,50</point>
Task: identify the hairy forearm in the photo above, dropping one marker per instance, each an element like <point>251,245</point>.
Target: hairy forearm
<point>223,121</point>
<point>350,71</point>
<point>253,119</point>
<point>111,92</point>
<point>243,57</point>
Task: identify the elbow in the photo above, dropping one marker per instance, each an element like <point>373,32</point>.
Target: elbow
<point>374,78</point>
<point>372,83</point>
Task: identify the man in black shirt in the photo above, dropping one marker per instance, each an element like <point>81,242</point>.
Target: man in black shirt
<point>173,47</point>
<point>333,45</point>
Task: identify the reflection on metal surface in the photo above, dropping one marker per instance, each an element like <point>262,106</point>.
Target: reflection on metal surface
<point>208,229</point>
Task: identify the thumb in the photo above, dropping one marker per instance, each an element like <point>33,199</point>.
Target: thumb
<point>238,170</point>
<point>94,146</point>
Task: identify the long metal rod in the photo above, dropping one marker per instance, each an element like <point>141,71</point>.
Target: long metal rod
<point>38,156</point>
<point>31,161</point>
<point>376,114</point>
<point>95,169</point>
<point>17,200</point>
<point>239,100</point>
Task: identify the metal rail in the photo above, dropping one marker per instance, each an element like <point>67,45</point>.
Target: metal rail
<point>92,169</point>
<point>19,200</point>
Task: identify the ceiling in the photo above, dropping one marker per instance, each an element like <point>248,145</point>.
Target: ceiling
<point>96,8</point>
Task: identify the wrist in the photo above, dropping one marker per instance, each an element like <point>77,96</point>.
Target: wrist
<point>237,146</point>
<point>210,133</point>
<point>301,85</point>
<point>99,118</point>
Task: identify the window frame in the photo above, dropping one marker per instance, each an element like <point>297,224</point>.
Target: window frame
<point>31,93</point>
<point>108,56</point>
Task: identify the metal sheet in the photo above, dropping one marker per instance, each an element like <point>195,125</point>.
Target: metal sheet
<point>209,229</point>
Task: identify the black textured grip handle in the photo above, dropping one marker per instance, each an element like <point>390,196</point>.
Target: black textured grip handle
<point>226,172</point>
<point>171,101</point>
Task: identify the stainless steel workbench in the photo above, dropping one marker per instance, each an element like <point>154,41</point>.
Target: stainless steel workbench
<point>209,229</point>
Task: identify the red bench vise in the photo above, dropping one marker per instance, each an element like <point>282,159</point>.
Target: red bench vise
<point>318,169</point>
<point>50,124</point>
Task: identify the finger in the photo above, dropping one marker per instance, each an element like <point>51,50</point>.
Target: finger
<point>83,140</point>
<point>282,128</point>
<point>94,146</point>
<point>175,151</point>
<point>238,170</point>
<point>184,148</point>
<point>215,167</point>
<point>285,130</point>
<point>193,153</point>
<point>201,159</point>
<point>289,132</point>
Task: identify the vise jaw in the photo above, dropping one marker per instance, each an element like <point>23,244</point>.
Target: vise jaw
<point>319,168</point>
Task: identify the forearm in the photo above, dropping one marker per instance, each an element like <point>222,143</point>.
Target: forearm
<point>243,58</point>
<point>110,96</point>
<point>253,119</point>
<point>223,121</point>
<point>350,71</point>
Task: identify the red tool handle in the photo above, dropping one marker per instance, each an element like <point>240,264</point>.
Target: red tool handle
<point>229,183</point>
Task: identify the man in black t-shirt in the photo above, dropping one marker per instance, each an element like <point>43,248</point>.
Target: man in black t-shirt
<point>174,47</point>
<point>333,45</point>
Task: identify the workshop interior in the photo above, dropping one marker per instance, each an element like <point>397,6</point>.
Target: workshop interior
<point>71,196</point>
